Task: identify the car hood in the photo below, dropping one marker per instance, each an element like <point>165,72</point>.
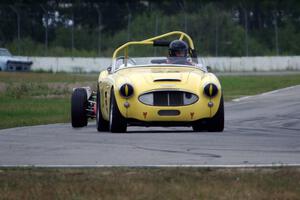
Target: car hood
<point>20,59</point>
<point>162,74</point>
<point>149,78</point>
<point>15,59</point>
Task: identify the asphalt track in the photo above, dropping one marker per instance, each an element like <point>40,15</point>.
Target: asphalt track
<point>262,130</point>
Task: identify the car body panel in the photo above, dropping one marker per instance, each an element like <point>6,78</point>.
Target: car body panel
<point>161,80</point>
<point>175,90</point>
<point>13,63</point>
<point>145,79</point>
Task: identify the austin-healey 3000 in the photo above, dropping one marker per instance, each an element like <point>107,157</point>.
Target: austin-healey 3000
<point>173,91</point>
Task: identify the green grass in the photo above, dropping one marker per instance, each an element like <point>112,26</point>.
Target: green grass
<point>149,183</point>
<point>44,77</point>
<point>237,86</point>
<point>43,98</point>
<point>28,111</point>
<point>38,98</point>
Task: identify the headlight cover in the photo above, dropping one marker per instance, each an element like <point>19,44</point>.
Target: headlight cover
<point>126,90</point>
<point>211,90</point>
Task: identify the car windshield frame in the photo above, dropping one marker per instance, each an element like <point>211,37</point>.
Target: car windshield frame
<point>200,66</point>
<point>126,61</point>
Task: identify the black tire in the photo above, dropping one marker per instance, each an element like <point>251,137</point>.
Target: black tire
<point>214,124</point>
<point>102,124</point>
<point>79,105</point>
<point>117,123</point>
<point>199,126</point>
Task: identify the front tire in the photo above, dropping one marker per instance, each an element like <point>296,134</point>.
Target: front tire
<point>102,124</point>
<point>79,105</point>
<point>214,124</point>
<point>117,123</point>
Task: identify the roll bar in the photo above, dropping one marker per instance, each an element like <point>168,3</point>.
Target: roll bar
<point>156,41</point>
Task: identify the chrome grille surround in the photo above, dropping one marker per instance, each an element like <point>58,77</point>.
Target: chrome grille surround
<point>168,98</point>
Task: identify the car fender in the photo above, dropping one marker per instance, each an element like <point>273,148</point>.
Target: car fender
<point>212,78</point>
<point>3,63</point>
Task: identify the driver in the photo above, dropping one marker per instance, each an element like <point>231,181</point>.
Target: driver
<point>178,52</point>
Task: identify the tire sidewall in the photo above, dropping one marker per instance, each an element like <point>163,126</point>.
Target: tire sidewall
<point>78,108</point>
<point>117,123</point>
<point>102,125</point>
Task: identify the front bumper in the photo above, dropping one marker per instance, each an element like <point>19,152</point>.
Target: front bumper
<point>139,111</point>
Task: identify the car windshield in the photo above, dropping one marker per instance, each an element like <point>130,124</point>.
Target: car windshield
<point>177,50</point>
<point>4,52</point>
<point>121,62</point>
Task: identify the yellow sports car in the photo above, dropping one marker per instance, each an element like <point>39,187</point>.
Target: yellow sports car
<point>171,91</point>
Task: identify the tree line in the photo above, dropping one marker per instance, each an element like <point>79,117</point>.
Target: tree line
<point>95,28</point>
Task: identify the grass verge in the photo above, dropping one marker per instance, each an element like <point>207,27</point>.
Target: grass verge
<point>238,86</point>
<point>149,183</point>
<point>43,98</point>
<point>38,98</point>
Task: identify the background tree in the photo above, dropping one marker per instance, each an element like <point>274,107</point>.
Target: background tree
<point>88,27</point>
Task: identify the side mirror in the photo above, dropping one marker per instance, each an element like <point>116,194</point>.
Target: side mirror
<point>209,69</point>
<point>109,69</point>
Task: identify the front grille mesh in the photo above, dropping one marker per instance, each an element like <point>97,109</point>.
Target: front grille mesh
<point>168,98</point>
<point>172,98</point>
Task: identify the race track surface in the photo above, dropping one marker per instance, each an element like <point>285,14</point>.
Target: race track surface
<point>259,130</point>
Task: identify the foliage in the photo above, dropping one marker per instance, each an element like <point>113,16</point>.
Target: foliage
<point>218,28</point>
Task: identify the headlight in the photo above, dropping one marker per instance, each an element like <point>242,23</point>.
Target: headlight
<point>126,90</point>
<point>211,90</point>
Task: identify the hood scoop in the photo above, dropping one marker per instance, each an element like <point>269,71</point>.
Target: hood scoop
<point>167,80</point>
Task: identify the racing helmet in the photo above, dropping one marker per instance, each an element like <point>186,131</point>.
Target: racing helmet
<point>178,48</point>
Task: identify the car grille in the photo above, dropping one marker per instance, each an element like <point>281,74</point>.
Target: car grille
<point>168,98</point>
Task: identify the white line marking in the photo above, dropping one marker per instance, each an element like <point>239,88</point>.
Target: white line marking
<point>160,166</point>
<point>241,98</point>
<point>265,93</point>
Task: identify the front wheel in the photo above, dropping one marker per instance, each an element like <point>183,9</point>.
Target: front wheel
<point>79,104</point>
<point>117,123</point>
<point>102,124</point>
<point>214,124</point>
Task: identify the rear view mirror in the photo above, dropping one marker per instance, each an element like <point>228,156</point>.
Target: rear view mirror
<point>209,69</point>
